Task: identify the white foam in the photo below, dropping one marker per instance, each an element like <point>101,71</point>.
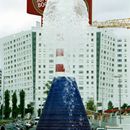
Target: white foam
<point>65,25</point>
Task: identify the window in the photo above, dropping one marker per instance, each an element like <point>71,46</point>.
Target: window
<point>92,77</point>
<point>80,66</point>
<point>91,55</point>
<point>51,71</point>
<point>119,40</point>
<point>92,39</point>
<point>73,66</point>
<point>119,45</point>
<point>119,65</point>
<point>80,88</point>
<point>73,72</point>
<point>80,72</point>
<point>119,55</point>
<point>125,60</point>
<point>119,50</point>
<point>119,70</point>
<point>51,61</point>
<point>81,55</point>
<point>119,60</point>
<point>125,70</point>
<point>39,44</point>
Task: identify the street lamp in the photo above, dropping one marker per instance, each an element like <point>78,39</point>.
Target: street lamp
<point>119,85</point>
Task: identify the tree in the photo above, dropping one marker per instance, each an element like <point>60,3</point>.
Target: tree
<point>48,86</point>
<point>46,92</point>
<point>110,105</point>
<point>29,109</point>
<point>14,105</point>
<point>1,111</point>
<point>7,109</point>
<point>22,103</point>
<point>90,105</point>
<point>39,112</point>
<point>124,106</point>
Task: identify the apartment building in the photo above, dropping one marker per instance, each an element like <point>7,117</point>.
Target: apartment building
<point>29,63</point>
<point>18,55</point>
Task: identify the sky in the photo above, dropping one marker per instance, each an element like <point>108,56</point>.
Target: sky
<point>13,16</point>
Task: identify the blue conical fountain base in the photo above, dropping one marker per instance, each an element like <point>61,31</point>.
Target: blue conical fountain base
<point>63,109</point>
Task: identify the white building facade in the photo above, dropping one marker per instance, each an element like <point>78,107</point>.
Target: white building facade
<point>29,63</point>
<point>18,62</point>
<point>1,99</point>
<point>82,64</point>
<point>92,64</point>
<point>106,42</point>
<point>122,72</point>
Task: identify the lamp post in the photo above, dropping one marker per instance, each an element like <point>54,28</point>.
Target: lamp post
<point>119,85</point>
<point>102,99</point>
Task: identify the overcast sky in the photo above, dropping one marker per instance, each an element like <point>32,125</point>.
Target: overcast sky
<point>13,16</point>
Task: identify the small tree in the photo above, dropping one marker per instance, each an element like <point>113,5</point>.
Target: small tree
<point>124,106</point>
<point>90,105</point>
<point>110,105</point>
<point>22,103</point>
<point>39,112</point>
<point>29,109</point>
<point>7,109</point>
<point>14,105</point>
<point>48,86</point>
<point>46,92</point>
<point>1,109</point>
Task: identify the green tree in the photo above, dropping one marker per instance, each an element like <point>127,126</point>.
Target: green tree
<point>22,103</point>
<point>110,105</point>
<point>39,112</point>
<point>46,92</point>
<point>90,105</point>
<point>1,109</point>
<point>124,106</point>
<point>48,86</point>
<point>29,109</point>
<point>14,105</point>
<point>7,109</point>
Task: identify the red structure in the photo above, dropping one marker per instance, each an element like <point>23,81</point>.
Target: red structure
<point>60,66</point>
<point>90,11</point>
<point>37,7</point>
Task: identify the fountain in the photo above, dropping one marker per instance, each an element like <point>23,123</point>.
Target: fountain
<point>64,29</point>
<point>63,109</point>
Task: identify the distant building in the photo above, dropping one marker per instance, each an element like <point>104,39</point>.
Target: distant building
<point>0,88</point>
<point>106,42</point>
<point>122,71</point>
<point>92,64</point>
<point>29,63</point>
<point>18,59</point>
